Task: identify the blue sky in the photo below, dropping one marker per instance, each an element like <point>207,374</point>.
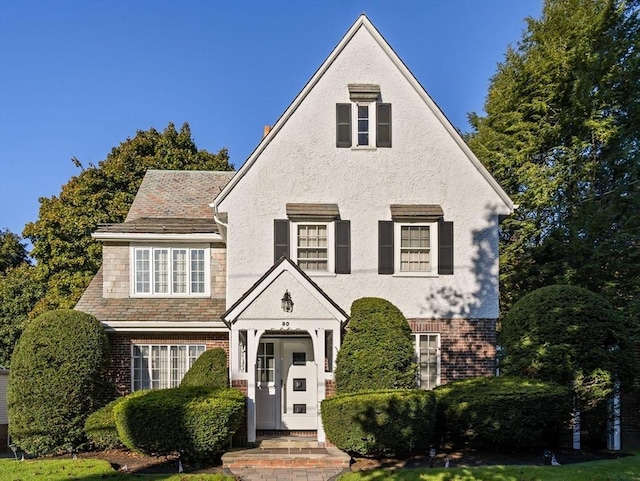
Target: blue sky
<point>79,77</point>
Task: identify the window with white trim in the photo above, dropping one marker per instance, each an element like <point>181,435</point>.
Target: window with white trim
<point>365,123</point>
<point>428,354</point>
<point>416,248</point>
<point>313,246</point>
<point>159,366</point>
<point>170,271</point>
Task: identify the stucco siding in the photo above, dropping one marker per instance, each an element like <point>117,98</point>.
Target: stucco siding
<point>425,165</point>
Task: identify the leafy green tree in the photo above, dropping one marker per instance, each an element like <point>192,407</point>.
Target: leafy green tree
<point>12,251</point>
<point>20,289</point>
<point>377,352</point>
<point>562,136</point>
<point>67,257</point>
<point>57,378</point>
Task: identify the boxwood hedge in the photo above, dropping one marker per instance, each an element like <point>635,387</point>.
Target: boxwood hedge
<point>57,378</point>
<point>503,411</point>
<point>209,370</point>
<point>388,422</point>
<point>100,426</point>
<point>195,422</point>
<point>377,352</point>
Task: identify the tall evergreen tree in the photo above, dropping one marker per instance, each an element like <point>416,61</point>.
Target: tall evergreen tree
<point>67,257</point>
<point>562,136</point>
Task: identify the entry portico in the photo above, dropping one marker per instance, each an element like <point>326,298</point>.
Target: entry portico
<point>284,352</point>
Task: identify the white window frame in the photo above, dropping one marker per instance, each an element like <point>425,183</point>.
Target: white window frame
<point>416,343</point>
<point>152,249</point>
<point>372,125</point>
<point>331,255</point>
<point>166,380</point>
<point>433,249</point>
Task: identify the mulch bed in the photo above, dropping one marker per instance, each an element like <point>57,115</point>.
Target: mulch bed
<point>124,460</point>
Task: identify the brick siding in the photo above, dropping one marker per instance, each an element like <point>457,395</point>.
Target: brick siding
<point>467,346</point>
<point>120,344</point>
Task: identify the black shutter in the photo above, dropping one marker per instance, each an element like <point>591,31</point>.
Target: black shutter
<point>343,247</point>
<point>383,130</point>
<point>343,125</point>
<point>280,239</point>
<point>385,247</point>
<point>445,248</point>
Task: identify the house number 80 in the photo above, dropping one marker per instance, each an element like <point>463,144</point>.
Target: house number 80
<point>285,323</point>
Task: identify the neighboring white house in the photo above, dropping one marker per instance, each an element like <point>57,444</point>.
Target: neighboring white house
<point>361,188</point>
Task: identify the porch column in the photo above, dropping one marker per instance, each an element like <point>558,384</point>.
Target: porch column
<point>253,339</point>
<point>317,337</point>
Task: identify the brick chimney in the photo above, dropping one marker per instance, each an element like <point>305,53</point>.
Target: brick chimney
<point>267,129</point>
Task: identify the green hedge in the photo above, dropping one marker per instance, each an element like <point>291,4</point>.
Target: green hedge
<point>389,422</point>
<point>196,422</point>
<point>100,427</point>
<point>503,411</point>
<point>378,351</point>
<point>57,378</point>
<point>209,370</point>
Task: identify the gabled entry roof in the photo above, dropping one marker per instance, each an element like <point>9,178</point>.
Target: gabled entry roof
<point>284,264</point>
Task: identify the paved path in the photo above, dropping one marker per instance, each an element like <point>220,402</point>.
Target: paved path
<point>281,474</point>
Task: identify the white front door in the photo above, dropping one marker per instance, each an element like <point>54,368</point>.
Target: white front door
<point>286,385</point>
<point>300,389</point>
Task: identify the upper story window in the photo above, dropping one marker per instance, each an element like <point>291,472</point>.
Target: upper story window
<point>365,122</point>
<point>312,246</point>
<point>315,238</point>
<point>170,271</point>
<point>414,246</point>
<point>416,242</point>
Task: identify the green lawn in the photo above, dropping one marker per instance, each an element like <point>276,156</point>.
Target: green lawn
<point>622,469</point>
<point>83,470</point>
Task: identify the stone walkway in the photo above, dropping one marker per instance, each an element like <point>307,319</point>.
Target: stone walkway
<point>284,458</point>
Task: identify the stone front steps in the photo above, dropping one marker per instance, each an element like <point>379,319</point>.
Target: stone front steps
<point>286,453</point>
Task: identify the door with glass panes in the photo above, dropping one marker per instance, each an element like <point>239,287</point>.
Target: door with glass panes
<point>286,385</point>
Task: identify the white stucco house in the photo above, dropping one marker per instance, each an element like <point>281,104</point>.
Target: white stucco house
<point>361,188</point>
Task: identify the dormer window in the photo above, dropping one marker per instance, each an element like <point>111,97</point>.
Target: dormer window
<point>365,120</point>
<point>165,271</point>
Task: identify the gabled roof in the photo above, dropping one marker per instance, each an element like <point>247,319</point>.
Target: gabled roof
<point>283,264</point>
<point>171,202</point>
<point>364,22</point>
<point>180,194</point>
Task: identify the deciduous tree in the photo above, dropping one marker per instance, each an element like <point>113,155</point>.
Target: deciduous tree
<point>67,257</point>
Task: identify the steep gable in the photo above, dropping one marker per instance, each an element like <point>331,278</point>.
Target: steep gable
<point>368,43</point>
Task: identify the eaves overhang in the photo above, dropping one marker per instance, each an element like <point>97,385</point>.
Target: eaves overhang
<point>163,326</point>
<point>146,236</point>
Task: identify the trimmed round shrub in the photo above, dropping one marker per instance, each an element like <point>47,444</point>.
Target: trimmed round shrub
<point>209,370</point>
<point>570,336</point>
<point>378,351</point>
<point>100,426</point>
<point>503,411</point>
<point>57,378</point>
<point>195,422</point>
<point>375,423</point>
